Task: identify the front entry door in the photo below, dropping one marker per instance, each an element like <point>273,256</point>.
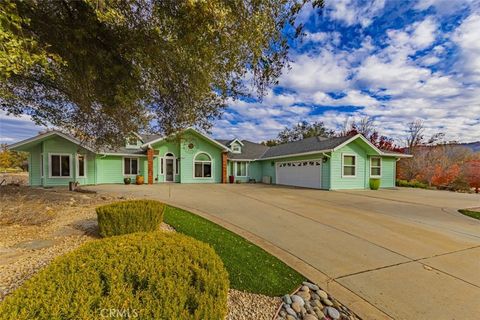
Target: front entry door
<point>169,170</point>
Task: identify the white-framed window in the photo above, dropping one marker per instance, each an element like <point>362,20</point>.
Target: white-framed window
<point>349,165</point>
<point>130,166</point>
<point>60,165</point>
<point>81,166</point>
<point>236,148</point>
<point>375,167</point>
<point>241,168</point>
<point>41,166</point>
<point>161,165</point>
<point>177,166</point>
<point>202,166</point>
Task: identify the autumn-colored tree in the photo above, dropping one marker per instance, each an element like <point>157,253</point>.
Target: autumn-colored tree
<point>11,159</point>
<point>472,173</point>
<point>444,177</point>
<point>366,127</point>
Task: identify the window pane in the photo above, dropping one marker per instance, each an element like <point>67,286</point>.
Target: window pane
<point>375,162</point>
<point>41,164</point>
<point>134,166</point>
<point>239,168</point>
<point>65,166</point>
<point>348,171</point>
<point>81,166</point>
<point>55,166</point>
<point>198,169</point>
<point>207,170</point>
<point>161,165</point>
<point>349,160</point>
<point>375,172</point>
<point>126,165</point>
<point>202,157</point>
<point>177,165</point>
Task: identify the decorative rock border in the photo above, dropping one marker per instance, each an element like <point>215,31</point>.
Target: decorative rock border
<point>309,302</point>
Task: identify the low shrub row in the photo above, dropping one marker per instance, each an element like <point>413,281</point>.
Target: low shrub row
<point>411,184</point>
<point>129,216</point>
<point>143,275</point>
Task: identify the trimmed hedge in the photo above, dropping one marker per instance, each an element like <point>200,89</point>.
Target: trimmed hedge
<point>129,217</point>
<point>374,184</point>
<point>153,275</point>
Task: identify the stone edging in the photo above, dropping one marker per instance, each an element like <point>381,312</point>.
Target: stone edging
<point>310,302</point>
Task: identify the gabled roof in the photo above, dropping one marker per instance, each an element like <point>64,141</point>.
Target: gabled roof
<point>47,134</point>
<point>250,151</point>
<point>213,141</point>
<point>318,144</point>
<point>322,144</point>
<point>312,144</point>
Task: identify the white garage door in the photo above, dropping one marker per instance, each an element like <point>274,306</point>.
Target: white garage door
<point>305,173</point>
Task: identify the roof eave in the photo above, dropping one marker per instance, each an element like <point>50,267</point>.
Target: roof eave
<point>296,154</point>
<point>46,135</point>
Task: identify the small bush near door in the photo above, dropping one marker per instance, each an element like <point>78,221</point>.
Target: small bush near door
<point>374,184</point>
<point>152,275</point>
<point>129,217</point>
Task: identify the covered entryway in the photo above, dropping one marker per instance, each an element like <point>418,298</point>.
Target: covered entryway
<point>305,173</point>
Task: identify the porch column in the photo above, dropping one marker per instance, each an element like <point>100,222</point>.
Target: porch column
<point>150,165</point>
<point>224,167</point>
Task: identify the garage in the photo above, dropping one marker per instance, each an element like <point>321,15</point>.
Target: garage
<point>305,173</point>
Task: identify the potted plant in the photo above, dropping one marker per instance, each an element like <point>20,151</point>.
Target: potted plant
<point>139,179</point>
<point>374,183</point>
<point>127,180</point>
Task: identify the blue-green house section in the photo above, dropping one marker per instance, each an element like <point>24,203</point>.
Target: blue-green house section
<point>182,150</point>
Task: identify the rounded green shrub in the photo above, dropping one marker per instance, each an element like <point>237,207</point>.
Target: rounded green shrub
<point>374,184</point>
<point>144,275</point>
<point>129,217</point>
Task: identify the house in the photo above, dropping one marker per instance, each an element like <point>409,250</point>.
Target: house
<point>332,163</point>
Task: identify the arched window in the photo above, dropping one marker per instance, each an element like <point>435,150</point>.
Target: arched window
<point>169,154</point>
<point>203,166</point>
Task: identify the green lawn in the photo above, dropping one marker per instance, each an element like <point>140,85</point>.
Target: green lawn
<point>470,213</point>
<point>250,268</point>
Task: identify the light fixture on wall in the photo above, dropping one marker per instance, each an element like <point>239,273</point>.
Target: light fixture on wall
<point>324,159</point>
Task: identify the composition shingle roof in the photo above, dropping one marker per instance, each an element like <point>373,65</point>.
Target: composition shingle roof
<point>306,145</point>
<point>252,150</point>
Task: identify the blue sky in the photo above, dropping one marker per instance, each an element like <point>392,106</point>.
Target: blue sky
<point>395,61</point>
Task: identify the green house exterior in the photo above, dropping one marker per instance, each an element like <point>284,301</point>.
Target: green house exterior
<point>55,159</point>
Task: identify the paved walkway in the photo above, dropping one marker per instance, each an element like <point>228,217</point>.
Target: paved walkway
<point>401,254</point>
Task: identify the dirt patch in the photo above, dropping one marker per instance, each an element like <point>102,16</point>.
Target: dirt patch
<point>40,224</point>
<point>20,179</point>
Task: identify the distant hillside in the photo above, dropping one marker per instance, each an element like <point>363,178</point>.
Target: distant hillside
<point>475,146</point>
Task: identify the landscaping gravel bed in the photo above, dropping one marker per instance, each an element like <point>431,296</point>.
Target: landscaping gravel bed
<point>312,303</point>
<point>248,306</point>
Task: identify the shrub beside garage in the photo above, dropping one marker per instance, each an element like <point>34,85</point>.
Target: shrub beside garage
<point>147,275</point>
<point>129,217</point>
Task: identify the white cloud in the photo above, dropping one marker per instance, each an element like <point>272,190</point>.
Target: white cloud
<point>323,37</point>
<point>324,71</point>
<point>352,12</point>
<point>467,37</point>
<point>445,7</point>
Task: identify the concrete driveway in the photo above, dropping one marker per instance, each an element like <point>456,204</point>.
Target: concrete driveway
<point>401,254</point>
